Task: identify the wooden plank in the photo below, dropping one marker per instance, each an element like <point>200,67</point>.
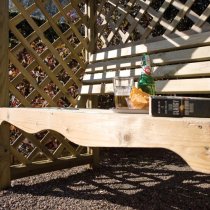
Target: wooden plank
<point>106,77</point>
<point>91,29</point>
<point>93,89</point>
<point>121,63</point>
<point>39,167</point>
<point>189,70</point>
<point>164,58</point>
<point>95,152</point>
<point>5,176</point>
<point>198,69</point>
<point>181,86</point>
<point>191,141</point>
<point>165,45</point>
<point>182,56</point>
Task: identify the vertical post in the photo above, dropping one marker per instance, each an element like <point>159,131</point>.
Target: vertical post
<point>5,177</point>
<point>90,31</point>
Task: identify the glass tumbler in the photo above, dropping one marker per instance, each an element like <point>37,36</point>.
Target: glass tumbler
<point>122,89</point>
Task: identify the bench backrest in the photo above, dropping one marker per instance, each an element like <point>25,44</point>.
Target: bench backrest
<point>180,65</point>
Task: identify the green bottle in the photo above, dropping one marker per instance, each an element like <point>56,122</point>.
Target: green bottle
<point>146,81</point>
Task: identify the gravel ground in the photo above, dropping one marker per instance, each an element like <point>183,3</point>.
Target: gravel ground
<point>127,179</point>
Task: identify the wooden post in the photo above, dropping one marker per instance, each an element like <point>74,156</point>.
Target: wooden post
<point>90,31</point>
<point>5,178</point>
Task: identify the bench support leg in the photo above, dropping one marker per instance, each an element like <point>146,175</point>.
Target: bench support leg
<point>90,102</point>
<point>5,161</point>
<point>96,157</point>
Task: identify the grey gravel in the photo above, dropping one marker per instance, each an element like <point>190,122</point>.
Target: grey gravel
<point>126,179</point>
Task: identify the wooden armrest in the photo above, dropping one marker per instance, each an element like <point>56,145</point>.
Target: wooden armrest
<point>188,137</point>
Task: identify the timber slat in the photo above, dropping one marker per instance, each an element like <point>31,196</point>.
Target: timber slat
<point>165,45</point>
<point>189,70</point>
<point>39,167</point>
<point>174,57</point>
<point>183,86</point>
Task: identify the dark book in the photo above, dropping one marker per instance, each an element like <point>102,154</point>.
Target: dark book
<point>174,106</point>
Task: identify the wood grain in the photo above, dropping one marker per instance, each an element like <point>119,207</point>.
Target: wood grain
<point>188,137</point>
<point>166,45</point>
<point>4,96</point>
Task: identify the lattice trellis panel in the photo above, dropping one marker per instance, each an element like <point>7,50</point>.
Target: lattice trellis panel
<point>122,21</point>
<point>48,55</point>
<point>47,59</point>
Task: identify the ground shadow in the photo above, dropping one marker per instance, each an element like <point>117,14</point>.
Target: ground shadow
<point>135,178</point>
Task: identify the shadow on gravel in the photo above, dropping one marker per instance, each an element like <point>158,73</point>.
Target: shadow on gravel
<point>135,178</point>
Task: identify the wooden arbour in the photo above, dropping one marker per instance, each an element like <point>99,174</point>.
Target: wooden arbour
<point>47,60</point>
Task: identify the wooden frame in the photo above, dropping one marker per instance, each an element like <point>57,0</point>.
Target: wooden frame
<point>4,95</point>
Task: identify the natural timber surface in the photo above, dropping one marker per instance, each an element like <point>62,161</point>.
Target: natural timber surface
<point>188,137</point>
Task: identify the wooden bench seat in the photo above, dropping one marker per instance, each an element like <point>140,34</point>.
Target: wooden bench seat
<point>180,66</point>
<point>188,137</point>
